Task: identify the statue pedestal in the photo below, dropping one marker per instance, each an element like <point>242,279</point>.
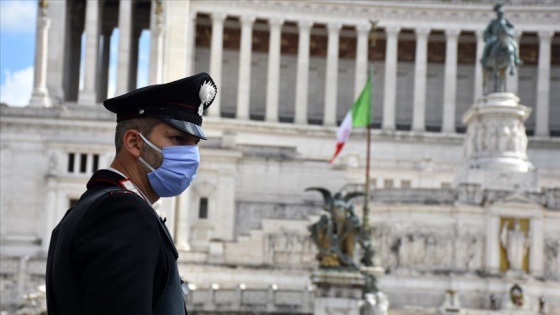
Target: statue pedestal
<point>495,145</point>
<point>337,292</point>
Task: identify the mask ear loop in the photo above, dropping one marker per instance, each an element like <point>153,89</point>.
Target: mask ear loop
<point>153,147</point>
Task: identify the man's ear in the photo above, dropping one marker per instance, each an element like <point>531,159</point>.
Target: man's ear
<point>132,142</point>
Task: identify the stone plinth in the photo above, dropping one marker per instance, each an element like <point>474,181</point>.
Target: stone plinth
<point>495,147</point>
<point>337,292</point>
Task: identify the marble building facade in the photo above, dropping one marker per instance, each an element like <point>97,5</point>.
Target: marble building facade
<point>287,72</point>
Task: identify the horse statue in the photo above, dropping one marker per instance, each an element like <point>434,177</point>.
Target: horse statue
<point>500,53</point>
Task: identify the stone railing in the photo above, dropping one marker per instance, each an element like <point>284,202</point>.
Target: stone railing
<point>250,301</point>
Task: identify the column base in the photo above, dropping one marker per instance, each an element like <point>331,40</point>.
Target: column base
<point>40,99</point>
<point>87,98</point>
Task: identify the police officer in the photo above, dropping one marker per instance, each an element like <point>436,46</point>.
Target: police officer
<point>111,253</point>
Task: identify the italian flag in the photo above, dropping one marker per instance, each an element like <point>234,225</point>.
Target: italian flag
<point>358,116</point>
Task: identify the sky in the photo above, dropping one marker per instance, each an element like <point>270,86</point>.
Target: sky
<point>17,52</point>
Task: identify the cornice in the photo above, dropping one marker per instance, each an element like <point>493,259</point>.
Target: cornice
<point>436,15</point>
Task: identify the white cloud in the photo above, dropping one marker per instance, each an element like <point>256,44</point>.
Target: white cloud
<point>17,87</point>
<point>18,16</point>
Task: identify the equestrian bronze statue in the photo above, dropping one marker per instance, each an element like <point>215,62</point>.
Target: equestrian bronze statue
<point>500,52</point>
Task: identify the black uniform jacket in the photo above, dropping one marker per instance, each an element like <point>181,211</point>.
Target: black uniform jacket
<point>115,257</point>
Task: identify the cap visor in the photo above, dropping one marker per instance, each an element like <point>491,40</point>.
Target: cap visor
<point>186,126</point>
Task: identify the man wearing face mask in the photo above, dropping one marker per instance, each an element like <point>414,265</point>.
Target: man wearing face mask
<point>111,253</point>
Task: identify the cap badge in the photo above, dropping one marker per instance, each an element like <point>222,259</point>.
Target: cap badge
<point>207,93</point>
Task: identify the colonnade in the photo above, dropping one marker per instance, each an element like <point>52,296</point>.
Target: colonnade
<point>96,62</point>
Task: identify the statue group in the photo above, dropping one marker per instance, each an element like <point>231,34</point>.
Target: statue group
<point>500,52</point>
<point>337,232</point>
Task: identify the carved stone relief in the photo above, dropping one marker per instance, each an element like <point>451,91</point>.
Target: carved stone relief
<point>429,248</point>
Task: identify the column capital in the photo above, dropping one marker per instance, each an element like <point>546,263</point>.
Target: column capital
<point>247,19</point>
<point>218,17</point>
<point>452,33</point>
<point>546,34</point>
<point>334,26</point>
<point>305,24</point>
<point>363,28</point>
<point>275,22</point>
<point>422,31</point>
<point>392,30</point>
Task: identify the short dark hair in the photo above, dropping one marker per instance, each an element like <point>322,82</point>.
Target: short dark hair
<point>144,125</point>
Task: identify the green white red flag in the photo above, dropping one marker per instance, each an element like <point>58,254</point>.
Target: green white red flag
<point>358,116</point>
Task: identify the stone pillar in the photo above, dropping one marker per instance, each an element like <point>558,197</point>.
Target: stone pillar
<point>177,29</point>
<point>50,211</point>
<point>302,72</point>
<point>216,52</point>
<point>492,244</point>
<point>478,66</point>
<point>331,81</point>
<point>182,229</point>
<point>513,80</point>
<point>125,46</point>
<point>88,95</point>
<point>543,84</point>
<point>362,51</point>
<point>103,76</point>
<point>450,81</point>
<point>40,96</point>
<point>420,76</point>
<point>57,50</point>
<point>536,257</point>
<point>244,81</point>
<point>390,92</point>
<point>156,43</point>
<point>133,81</point>
<point>191,43</point>
<point>273,78</point>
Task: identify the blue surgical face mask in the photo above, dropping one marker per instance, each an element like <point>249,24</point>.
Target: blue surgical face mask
<point>176,172</point>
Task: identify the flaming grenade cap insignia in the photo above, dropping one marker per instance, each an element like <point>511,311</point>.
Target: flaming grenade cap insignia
<point>207,94</point>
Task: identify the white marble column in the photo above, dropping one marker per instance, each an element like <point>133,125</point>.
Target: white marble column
<point>420,76</point>
<point>492,261</point>
<point>50,211</point>
<point>331,82</point>
<point>273,78</point>
<point>216,53</point>
<point>88,96</point>
<point>362,51</point>
<point>477,65</point>
<point>302,83</point>
<point>390,91</point>
<point>536,249</point>
<point>177,30</point>
<point>450,81</point>
<point>156,43</point>
<point>182,229</point>
<point>512,81</point>
<point>134,54</point>
<point>103,77</point>
<point>191,42</point>
<point>125,47</point>
<point>244,81</point>
<point>58,49</point>
<point>543,84</point>
<point>40,96</point>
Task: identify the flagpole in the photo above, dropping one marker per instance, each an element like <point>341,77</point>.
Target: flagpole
<point>366,225</point>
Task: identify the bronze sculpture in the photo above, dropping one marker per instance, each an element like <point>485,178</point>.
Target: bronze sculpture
<point>336,234</point>
<point>500,52</point>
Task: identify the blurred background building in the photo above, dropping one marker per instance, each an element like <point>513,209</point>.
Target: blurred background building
<point>287,73</point>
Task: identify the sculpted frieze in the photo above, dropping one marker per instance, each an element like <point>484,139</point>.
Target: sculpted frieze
<point>420,247</point>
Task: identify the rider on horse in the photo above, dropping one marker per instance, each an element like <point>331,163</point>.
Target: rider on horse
<point>492,32</point>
